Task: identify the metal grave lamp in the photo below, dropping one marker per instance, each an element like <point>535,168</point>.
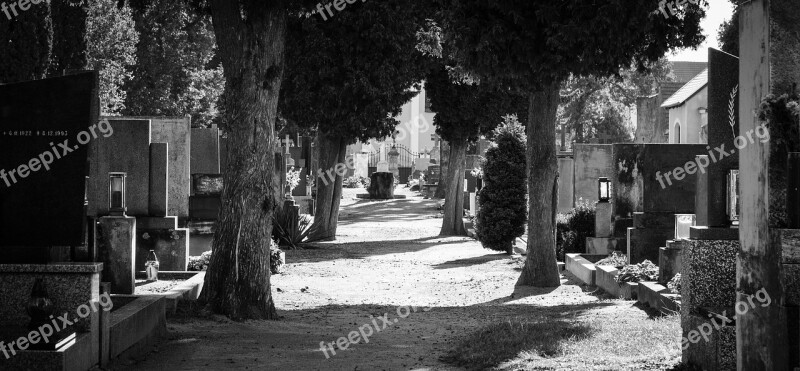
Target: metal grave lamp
<point>603,190</point>
<point>116,194</point>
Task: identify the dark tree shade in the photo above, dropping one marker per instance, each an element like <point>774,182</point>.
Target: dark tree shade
<point>503,208</point>
<point>27,42</point>
<point>463,112</point>
<point>70,43</point>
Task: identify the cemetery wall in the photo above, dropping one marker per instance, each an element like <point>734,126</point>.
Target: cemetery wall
<point>566,184</point>
<point>592,161</point>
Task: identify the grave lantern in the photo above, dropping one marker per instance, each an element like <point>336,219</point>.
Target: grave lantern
<point>603,190</point>
<point>116,194</point>
<point>733,197</point>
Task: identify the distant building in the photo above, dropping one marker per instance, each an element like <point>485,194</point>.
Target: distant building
<point>652,121</point>
<point>688,114</point>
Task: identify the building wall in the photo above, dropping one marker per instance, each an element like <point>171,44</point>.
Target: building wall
<point>416,125</point>
<point>690,118</point>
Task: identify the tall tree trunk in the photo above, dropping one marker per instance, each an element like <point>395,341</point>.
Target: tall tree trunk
<point>453,222</point>
<point>237,283</point>
<point>441,190</point>
<point>332,151</point>
<point>541,269</point>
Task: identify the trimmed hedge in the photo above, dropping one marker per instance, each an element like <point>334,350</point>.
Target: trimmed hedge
<point>573,228</point>
<point>503,199</point>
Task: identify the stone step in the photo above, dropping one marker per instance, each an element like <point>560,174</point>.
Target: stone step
<point>658,297</point>
<point>604,278</point>
<point>583,269</point>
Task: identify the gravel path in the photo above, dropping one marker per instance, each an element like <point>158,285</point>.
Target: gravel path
<point>388,256</point>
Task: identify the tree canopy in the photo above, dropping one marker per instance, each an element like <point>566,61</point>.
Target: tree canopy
<point>349,75</point>
<point>537,45</point>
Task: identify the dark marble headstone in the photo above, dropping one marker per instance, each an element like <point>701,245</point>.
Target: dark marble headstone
<point>43,138</point>
<point>723,127</point>
<point>639,179</point>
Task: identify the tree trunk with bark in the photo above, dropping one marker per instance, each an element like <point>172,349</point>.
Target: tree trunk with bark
<point>237,283</point>
<point>441,190</point>
<point>541,268</point>
<point>453,222</point>
<point>332,151</point>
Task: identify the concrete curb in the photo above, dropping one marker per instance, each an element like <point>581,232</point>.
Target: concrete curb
<point>581,268</point>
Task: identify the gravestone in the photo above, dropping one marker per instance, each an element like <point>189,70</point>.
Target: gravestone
<point>205,151</point>
<point>43,166</point>
<point>723,128</point>
<point>159,178</point>
<point>362,165</point>
<point>128,151</point>
<point>642,192</point>
<point>176,131</point>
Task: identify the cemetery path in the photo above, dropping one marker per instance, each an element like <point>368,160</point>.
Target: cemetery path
<point>387,257</point>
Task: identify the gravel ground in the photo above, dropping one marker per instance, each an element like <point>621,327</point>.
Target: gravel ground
<point>388,256</point>
<point>158,287</point>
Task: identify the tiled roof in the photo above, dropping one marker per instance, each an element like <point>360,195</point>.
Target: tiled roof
<point>685,71</point>
<point>687,91</point>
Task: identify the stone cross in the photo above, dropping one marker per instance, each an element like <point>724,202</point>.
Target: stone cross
<point>287,142</point>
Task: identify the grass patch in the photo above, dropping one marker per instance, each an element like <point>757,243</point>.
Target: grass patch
<point>496,343</point>
<point>619,337</point>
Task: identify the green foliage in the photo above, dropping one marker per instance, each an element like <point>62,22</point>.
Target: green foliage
<point>464,111</point>
<point>111,49</point>
<point>536,43</point>
<point>355,182</point>
<point>503,198</point>
<point>642,272</point>
<point>349,75</point>
<point>201,263</point>
<point>616,259</point>
<point>591,105</point>
<point>176,73</point>
<point>290,233</point>
<point>573,228</point>
<point>728,33</point>
<point>674,284</point>
<point>27,42</point>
